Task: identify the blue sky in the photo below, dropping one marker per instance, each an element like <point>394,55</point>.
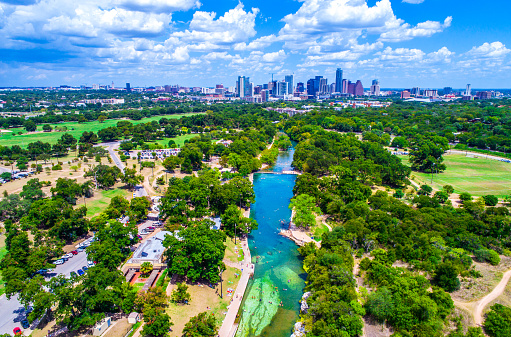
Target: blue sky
<point>405,43</point>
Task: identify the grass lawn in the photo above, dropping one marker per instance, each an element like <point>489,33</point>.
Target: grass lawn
<point>180,140</point>
<point>3,251</point>
<point>477,176</point>
<point>202,298</point>
<point>101,199</point>
<point>233,252</point>
<point>73,128</point>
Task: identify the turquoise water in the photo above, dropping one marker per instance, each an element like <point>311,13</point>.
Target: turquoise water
<point>271,304</point>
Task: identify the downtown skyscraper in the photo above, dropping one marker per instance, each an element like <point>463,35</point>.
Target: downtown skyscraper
<point>338,80</point>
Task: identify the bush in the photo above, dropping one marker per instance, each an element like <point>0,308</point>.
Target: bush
<point>465,196</point>
<point>441,196</point>
<point>498,321</point>
<point>398,194</point>
<point>425,190</point>
<point>446,276</point>
<point>56,167</point>
<point>490,200</point>
<point>487,255</point>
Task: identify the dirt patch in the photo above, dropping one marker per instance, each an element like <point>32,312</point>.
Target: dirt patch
<point>375,329</point>
<point>473,289</point>
<point>119,329</point>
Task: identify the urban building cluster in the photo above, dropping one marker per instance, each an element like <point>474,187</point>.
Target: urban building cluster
<point>315,88</point>
<point>447,94</point>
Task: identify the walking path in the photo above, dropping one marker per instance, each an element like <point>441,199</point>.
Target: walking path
<point>228,328</point>
<point>476,308</point>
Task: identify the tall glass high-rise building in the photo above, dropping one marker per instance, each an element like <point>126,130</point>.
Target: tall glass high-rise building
<point>289,79</point>
<point>338,80</point>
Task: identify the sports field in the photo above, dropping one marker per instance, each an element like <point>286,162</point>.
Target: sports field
<point>73,128</point>
<point>477,176</point>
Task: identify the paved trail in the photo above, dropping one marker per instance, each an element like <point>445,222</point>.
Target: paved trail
<point>476,308</point>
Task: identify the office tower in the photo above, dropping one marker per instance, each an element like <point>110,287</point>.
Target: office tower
<point>265,86</point>
<point>272,86</point>
<point>282,87</point>
<point>359,89</point>
<point>300,87</point>
<point>265,94</point>
<point>405,94</point>
<point>338,81</point>
<point>317,81</point>
<point>257,89</point>
<point>467,92</point>
<point>344,88</point>
<point>375,88</point>
<point>323,86</point>
<point>447,90</point>
<point>128,87</point>
<point>351,88</point>
<point>243,87</point>
<point>430,93</point>
<point>289,79</point>
<point>310,87</point>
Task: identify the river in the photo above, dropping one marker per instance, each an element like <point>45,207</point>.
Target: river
<point>271,304</point>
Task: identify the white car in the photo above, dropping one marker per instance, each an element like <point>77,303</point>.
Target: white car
<point>68,255</point>
<point>90,264</point>
<point>59,261</point>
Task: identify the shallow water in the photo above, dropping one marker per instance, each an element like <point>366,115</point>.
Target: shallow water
<point>271,302</point>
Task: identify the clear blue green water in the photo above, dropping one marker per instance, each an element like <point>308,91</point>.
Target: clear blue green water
<point>271,304</point>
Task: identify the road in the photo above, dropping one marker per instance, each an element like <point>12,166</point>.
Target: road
<point>140,191</point>
<point>12,313</point>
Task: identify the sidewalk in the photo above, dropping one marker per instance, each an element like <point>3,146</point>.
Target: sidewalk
<point>227,329</point>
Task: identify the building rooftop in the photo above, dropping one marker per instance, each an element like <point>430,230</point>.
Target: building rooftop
<point>151,250</point>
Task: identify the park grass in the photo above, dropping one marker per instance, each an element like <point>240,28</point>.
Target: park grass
<point>179,140</point>
<point>230,253</point>
<point>202,298</point>
<point>74,128</point>
<point>3,252</point>
<point>477,176</point>
<point>101,199</point>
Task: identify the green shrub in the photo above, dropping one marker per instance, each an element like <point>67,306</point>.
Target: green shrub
<point>56,167</point>
<point>487,255</point>
<point>490,200</point>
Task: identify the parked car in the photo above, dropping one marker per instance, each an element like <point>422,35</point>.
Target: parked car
<point>80,272</point>
<point>59,261</point>
<point>74,252</point>
<point>25,324</point>
<point>80,249</point>
<point>90,264</point>
<point>64,258</point>
<point>84,268</point>
<point>68,255</point>
<point>73,274</point>
<point>16,331</point>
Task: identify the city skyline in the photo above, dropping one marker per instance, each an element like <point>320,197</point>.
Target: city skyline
<point>148,42</point>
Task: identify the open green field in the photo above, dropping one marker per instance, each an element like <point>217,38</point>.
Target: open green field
<point>477,176</point>
<point>101,199</point>
<point>73,128</point>
<point>179,140</point>
<point>3,252</point>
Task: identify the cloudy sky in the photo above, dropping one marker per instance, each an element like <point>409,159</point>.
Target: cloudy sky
<point>403,43</point>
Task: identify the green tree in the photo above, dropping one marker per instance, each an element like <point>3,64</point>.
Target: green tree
<point>202,325</point>
<point>304,206</point>
<point>131,178</point>
<point>29,125</point>
<point>465,196</point>
<point>448,189</point>
<point>67,189</point>
<point>180,294</point>
<point>47,128</point>
<point>490,200</point>
<point>139,208</point>
<point>146,268</point>
<point>171,163</point>
<point>234,221</point>
<point>198,255</point>
<point>32,190</point>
